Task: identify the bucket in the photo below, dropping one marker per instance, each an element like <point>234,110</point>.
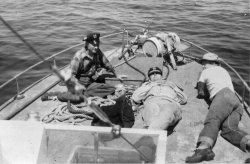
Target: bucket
<point>153,47</point>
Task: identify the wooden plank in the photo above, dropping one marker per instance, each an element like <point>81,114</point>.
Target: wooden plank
<point>29,96</point>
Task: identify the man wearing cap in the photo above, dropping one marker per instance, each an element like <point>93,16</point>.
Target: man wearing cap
<point>225,110</point>
<point>161,100</point>
<point>89,60</point>
<point>84,70</point>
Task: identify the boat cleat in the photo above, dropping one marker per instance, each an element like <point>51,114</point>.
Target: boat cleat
<point>123,77</point>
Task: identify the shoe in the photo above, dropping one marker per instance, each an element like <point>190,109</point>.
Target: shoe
<point>248,147</point>
<point>201,155</point>
<point>62,83</point>
<point>47,96</point>
<point>171,128</point>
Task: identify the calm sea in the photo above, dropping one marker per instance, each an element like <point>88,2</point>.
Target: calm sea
<point>221,26</point>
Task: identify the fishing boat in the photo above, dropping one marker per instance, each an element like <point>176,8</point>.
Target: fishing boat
<point>26,138</point>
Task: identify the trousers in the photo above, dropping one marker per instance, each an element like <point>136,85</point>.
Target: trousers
<point>224,114</point>
<point>160,113</point>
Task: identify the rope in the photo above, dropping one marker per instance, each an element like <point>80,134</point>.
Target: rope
<point>75,114</point>
<point>62,114</point>
<point>79,108</point>
<point>101,102</point>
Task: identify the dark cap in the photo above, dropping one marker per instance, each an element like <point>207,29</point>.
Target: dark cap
<point>154,70</point>
<point>92,37</point>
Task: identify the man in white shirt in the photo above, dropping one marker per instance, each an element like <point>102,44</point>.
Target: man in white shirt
<point>161,100</point>
<point>224,113</point>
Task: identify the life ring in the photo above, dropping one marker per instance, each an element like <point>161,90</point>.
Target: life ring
<point>153,47</point>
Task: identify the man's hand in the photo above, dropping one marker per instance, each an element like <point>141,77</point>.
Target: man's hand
<point>197,60</point>
<point>155,83</point>
<point>79,87</point>
<point>100,71</point>
<point>71,82</point>
<point>66,74</point>
<point>201,87</point>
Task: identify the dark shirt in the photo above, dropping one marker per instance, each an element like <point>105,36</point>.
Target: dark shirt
<point>84,66</point>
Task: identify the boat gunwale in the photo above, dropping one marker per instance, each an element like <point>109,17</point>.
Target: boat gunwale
<point>27,88</point>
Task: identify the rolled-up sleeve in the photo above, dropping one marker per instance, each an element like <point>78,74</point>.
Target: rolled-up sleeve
<point>181,96</point>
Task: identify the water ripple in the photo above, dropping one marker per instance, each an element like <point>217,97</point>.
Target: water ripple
<point>219,25</point>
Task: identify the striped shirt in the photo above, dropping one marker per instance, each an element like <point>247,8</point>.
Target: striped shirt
<point>83,64</point>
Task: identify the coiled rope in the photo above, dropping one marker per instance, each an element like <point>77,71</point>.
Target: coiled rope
<point>63,115</point>
<point>75,114</point>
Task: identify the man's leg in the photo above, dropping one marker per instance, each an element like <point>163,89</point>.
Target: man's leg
<point>165,114</point>
<point>150,111</point>
<point>67,96</point>
<point>127,113</point>
<point>232,133</point>
<point>219,110</point>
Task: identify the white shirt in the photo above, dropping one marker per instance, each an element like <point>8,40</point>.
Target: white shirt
<point>159,88</point>
<point>216,78</point>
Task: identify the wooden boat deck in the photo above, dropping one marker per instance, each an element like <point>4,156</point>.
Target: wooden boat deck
<point>179,144</point>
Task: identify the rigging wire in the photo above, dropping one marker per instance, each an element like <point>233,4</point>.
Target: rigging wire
<point>22,39</point>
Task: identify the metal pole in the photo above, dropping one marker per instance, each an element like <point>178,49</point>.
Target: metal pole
<point>19,96</point>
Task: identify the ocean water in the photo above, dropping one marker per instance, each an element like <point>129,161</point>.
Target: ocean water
<point>220,26</point>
